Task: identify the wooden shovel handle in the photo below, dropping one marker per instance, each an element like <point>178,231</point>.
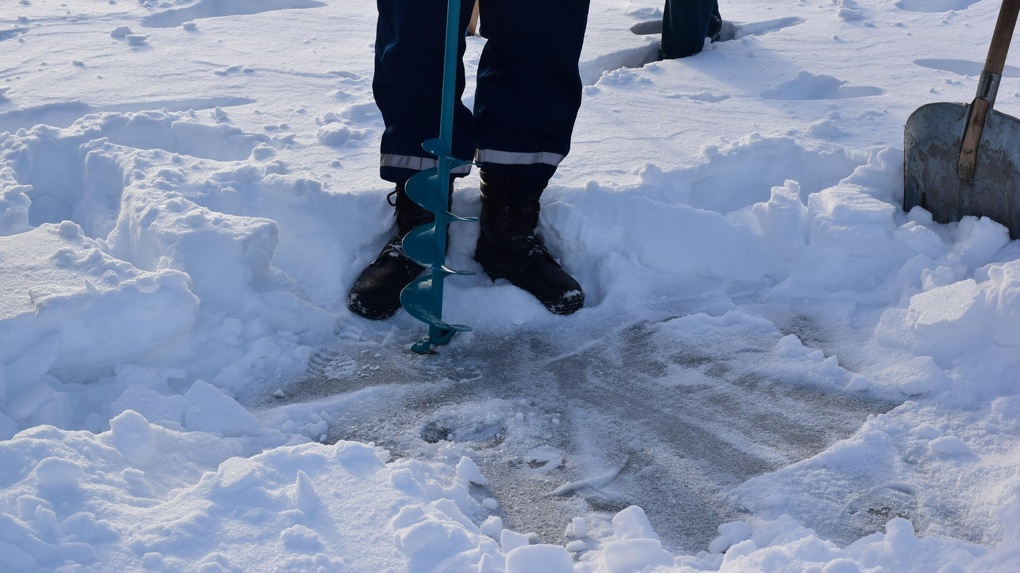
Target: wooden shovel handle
<point>1001,37</point>
<point>987,87</point>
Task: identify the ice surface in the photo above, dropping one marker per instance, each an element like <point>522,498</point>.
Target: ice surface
<point>646,407</point>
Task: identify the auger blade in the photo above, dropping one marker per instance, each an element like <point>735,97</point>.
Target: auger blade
<point>423,189</point>
<point>447,271</point>
<point>453,217</point>
<point>436,146</point>
<point>440,148</point>
<point>426,245</point>
<point>418,297</point>
<point>419,245</point>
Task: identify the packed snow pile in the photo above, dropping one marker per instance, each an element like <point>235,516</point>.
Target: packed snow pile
<point>777,368</point>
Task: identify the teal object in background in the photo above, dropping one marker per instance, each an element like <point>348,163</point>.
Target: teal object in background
<point>426,245</point>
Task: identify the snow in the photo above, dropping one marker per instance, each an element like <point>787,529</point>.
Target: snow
<point>777,368</point>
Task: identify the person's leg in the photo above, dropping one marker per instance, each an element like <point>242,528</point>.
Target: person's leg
<point>408,81</point>
<point>408,84</point>
<point>529,92</point>
<point>529,87</point>
<point>685,25</point>
<point>715,23</point>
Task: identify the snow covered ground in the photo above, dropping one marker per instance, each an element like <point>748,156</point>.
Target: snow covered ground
<point>777,368</point>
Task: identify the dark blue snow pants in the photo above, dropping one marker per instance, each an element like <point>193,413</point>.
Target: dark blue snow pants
<point>686,24</point>
<point>528,87</point>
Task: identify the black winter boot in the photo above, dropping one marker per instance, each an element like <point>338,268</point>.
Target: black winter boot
<point>376,292</point>
<point>508,247</point>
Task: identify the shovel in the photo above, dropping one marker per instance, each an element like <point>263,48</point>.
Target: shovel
<point>962,160</point>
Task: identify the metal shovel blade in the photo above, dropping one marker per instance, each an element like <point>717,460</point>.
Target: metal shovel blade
<point>932,141</point>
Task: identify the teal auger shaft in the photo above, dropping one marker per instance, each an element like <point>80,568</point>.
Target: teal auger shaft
<point>426,245</point>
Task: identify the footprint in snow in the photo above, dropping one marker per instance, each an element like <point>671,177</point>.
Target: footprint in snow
<point>730,30</point>
<point>593,70</point>
<point>64,114</point>
<point>808,86</point>
<point>125,33</point>
<point>849,10</point>
<point>217,8</point>
<point>11,32</point>
<point>235,69</point>
<point>963,67</point>
<point>934,6</point>
<point>708,97</point>
<point>172,132</point>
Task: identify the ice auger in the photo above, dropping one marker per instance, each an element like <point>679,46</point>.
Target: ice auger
<point>426,245</point>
